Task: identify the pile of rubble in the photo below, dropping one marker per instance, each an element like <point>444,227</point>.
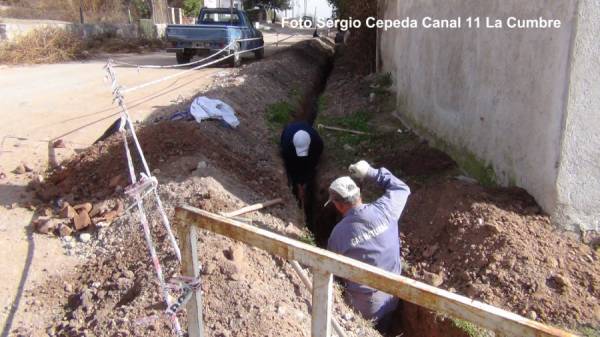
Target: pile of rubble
<point>79,218</point>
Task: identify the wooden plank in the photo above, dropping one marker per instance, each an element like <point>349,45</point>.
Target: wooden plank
<point>481,314</point>
<point>335,128</point>
<point>252,208</point>
<point>338,329</point>
<point>322,299</point>
<point>190,266</point>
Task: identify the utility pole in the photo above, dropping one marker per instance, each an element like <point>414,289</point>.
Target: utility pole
<point>304,7</point>
<point>81,11</point>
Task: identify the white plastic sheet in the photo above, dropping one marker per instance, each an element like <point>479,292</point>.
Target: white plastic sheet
<point>205,108</point>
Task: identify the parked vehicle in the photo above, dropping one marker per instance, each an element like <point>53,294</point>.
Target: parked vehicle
<point>308,21</point>
<point>215,29</point>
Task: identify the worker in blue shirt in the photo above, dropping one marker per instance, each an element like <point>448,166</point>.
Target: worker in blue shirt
<point>369,233</point>
<point>301,148</point>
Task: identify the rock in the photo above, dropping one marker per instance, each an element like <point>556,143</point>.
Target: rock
<point>120,208</point>
<point>67,211</point>
<point>20,169</point>
<point>348,316</point>
<point>85,237</point>
<point>82,220</point>
<point>201,165</point>
<point>110,216</point>
<point>129,274</point>
<point>102,224</point>
<point>2,175</point>
<point>28,167</point>
<point>46,225</point>
<point>562,282</point>
<point>87,207</point>
<point>68,287</point>
<point>532,315</point>
<point>493,229</point>
<point>435,280</point>
<point>430,251</point>
<point>64,230</point>
<point>156,171</point>
<point>231,270</point>
<point>348,148</point>
<point>59,144</point>
<point>98,208</point>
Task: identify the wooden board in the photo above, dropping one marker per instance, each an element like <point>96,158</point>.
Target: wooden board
<point>481,314</point>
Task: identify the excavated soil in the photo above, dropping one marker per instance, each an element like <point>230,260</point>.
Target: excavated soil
<point>491,244</point>
<point>246,292</point>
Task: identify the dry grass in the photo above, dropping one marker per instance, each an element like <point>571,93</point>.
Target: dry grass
<point>45,45</point>
<point>54,45</point>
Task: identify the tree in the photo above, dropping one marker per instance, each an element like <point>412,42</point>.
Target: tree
<point>192,7</point>
<point>268,4</point>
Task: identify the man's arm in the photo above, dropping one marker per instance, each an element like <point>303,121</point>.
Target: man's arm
<point>396,193</point>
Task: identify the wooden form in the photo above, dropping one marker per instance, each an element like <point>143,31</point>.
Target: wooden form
<point>298,269</point>
<point>325,263</point>
<point>190,266</point>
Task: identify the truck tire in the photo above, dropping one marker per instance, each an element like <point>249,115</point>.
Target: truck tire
<point>259,53</point>
<point>183,57</point>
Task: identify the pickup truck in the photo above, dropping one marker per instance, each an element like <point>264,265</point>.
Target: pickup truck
<point>215,29</point>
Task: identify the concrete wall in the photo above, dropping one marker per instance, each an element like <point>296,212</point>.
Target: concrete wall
<point>10,29</point>
<point>579,170</point>
<point>514,107</point>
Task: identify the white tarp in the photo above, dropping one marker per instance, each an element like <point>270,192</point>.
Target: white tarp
<point>205,108</point>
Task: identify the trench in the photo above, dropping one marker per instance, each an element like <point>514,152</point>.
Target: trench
<point>409,319</point>
<point>319,220</point>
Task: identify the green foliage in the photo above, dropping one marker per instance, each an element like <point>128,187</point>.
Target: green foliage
<point>192,7</point>
<point>267,4</point>
<point>141,9</point>
<point>590,332</point>
<point>309,238</point>
<point>471,329</point>
<point>357,121</point>
<point>278,114</point>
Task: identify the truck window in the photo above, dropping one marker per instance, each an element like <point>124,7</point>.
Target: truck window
<point>219,18</point>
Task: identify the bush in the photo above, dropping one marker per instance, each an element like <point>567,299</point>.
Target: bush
<point>42,45</point>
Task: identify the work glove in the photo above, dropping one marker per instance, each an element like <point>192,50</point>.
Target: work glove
<point>359,170</point>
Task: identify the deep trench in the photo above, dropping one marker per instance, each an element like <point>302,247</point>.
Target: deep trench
<point>319,220</point>
<point>410,320</point>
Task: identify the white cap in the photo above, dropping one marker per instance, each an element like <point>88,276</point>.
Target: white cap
<point>345,187</point>
<point>302,143</point>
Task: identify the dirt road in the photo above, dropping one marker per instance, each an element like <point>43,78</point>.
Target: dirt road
<point>71,102</point>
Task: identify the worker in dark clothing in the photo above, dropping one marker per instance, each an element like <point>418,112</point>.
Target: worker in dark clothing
<point>301,148</point>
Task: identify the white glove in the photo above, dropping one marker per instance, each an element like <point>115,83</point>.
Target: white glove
<point>360,169</point>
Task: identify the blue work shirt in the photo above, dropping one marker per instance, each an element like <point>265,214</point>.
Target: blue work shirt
<point>369,233</point>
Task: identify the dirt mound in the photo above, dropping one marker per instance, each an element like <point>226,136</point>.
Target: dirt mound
<point>495,246</point>
<point>247,151</point>
<point>246,292</point>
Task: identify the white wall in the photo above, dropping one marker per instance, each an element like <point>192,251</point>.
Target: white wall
<point>579,170</point>
<point>322,7</point>
<point>518,101</point>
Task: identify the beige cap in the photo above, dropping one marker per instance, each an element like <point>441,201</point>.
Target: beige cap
<point>345,187</point>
